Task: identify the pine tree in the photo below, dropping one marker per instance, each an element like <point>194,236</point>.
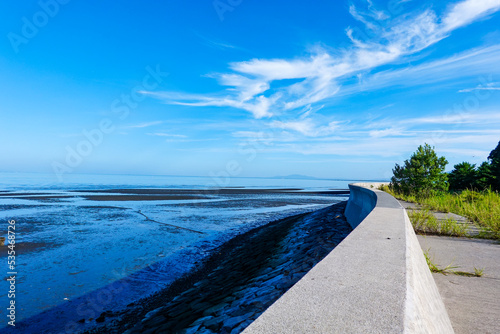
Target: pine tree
<point>422,175</point>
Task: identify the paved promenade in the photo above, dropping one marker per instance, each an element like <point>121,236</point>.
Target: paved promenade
<point>472,303</point>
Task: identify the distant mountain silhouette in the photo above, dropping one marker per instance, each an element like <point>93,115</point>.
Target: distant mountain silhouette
<point>296,176</point>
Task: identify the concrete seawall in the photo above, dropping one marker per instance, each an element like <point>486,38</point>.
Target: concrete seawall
<point>375,281</point>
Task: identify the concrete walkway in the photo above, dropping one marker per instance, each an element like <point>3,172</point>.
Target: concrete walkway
<point>472,303</point>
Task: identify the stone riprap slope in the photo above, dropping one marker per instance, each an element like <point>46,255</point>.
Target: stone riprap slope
<point>241,279</point>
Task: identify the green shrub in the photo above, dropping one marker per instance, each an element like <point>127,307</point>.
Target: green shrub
<point>422,174</point>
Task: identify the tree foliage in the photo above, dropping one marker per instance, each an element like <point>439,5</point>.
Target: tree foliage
<point>494,160</point>
<point>495,153</point>
<point>464,176</point>
<point>423,174</point>
<point>484,177</point>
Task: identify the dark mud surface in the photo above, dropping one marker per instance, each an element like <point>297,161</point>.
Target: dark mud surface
<point>215,191</point>
<point>159,194</point>
<point>74,251</point>
<point>238,281</point>
<point>141,197</point>
<point>23,248</point>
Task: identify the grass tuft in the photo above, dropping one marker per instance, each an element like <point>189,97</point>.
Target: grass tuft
<point>449,269</point>
<point>478,272</point>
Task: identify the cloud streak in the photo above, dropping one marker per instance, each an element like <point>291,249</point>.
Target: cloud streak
<point>457,134</point>
<point>489,86</point>
<point>143,125</point>
<point>306,127</point>
<point>257,85</point>
<point>162,134</point>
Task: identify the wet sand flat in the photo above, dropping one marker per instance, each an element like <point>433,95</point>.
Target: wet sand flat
<point>142,197</point>
<point>106,235</point>
<point>217,191</point>
<point>160,194</point>
<point>240,280</point>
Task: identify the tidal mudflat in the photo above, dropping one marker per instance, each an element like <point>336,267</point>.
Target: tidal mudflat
<point>76,247</point>
<point>240,280</point>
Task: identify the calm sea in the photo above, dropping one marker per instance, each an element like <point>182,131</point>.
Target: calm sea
<point>37,181</point>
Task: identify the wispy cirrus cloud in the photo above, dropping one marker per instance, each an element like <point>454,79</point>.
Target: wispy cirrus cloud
<point>216,43</point>
<point>474,62</point>
<point>462,118</point>
<point>142,125</point>
<point>466,12</point>
<point>457,135</point>
<point>386,132</point>
<point>162,134</point>
<point>489,86</point>
<point>306,127</point>
<point>322,75</point>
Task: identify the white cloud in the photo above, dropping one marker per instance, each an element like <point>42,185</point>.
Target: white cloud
<point>258,106</point>
<point>306,127</point>
<point>309,111</point>
<point>455,118</point>
<point>216,43</point>
<point>488,86</point>
<point>365,146</point>
<point>143,125</point>
<point>389,132</point>
<point>468,11</point>
<point>360,17</point>
<point>478,88</point>
<point>473,62</point>
<point>462,136</point>
<point>183,140</point>
<point>375,13</point>
<point>467,152</point>
<point>257,85</point>
<point>161,134</point>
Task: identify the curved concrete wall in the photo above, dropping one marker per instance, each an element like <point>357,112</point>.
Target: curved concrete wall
<point>375,281</point>
<point>361,203</point>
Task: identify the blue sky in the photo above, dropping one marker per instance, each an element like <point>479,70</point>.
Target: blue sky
<point>333,89</point>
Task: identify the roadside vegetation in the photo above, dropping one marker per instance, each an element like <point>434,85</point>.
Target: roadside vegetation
<point>467,191</point>
<point>450,269</point>
<point>424,222</point>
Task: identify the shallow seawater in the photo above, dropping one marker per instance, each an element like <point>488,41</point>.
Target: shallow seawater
<point>70,243</point>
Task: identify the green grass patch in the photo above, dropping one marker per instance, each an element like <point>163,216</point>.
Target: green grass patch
<point>450,269</point>
<point>482,208</point>
<point>424,222</point>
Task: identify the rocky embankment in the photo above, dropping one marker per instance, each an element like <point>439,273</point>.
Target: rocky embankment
<point>240,280</point>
